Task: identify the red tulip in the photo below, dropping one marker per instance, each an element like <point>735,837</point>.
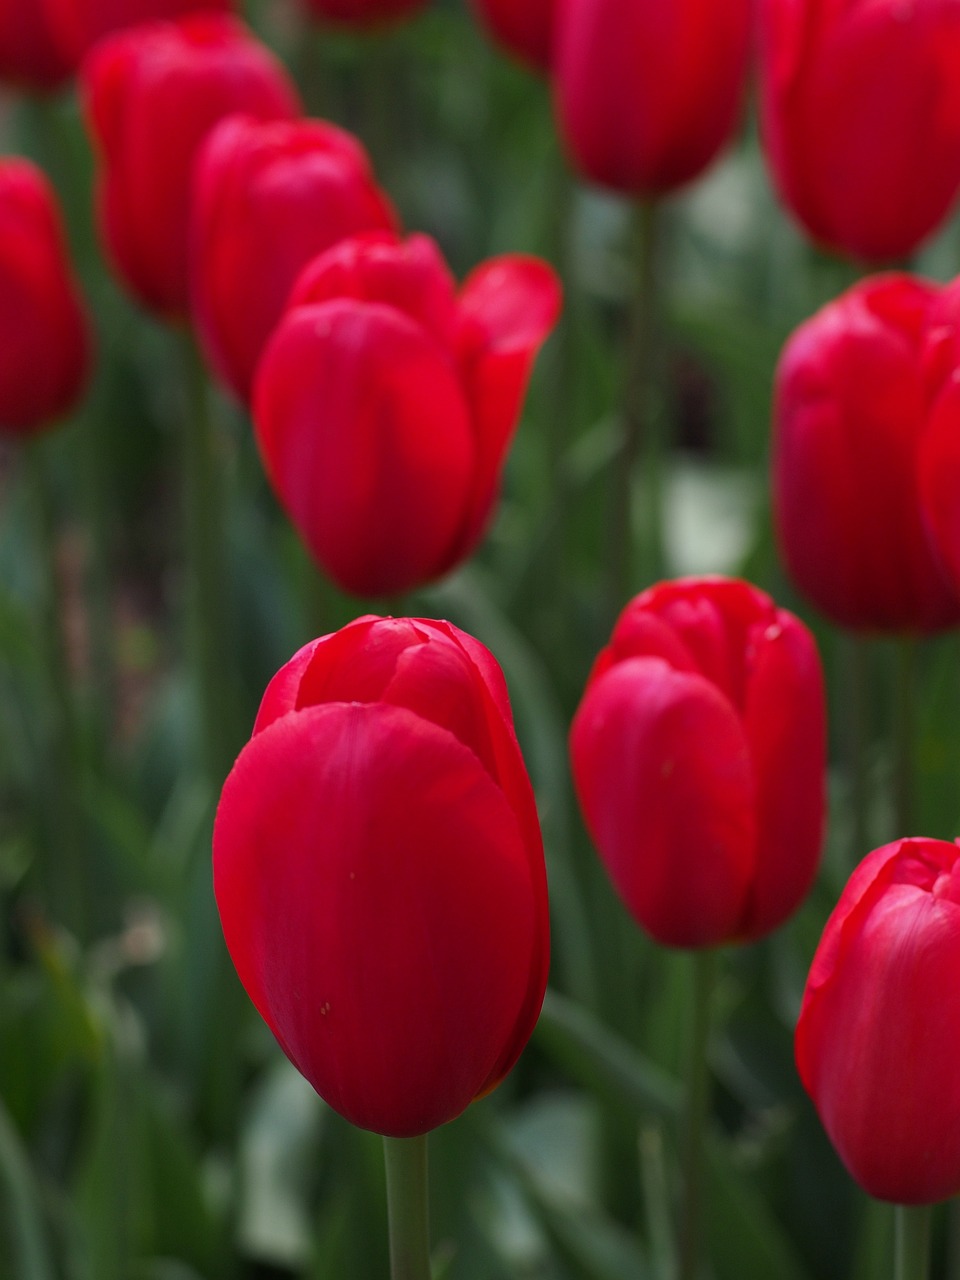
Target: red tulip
<point>524,29</point>
<point>880,1019</point>
<point>698,754</point>
<point>29,54</point>
<point>648,92</point>
<point>269,198</point>
<point>385,404</point>
<point>379,872</point>
<point>364,13</point>
<point>860,113</point>
<point>44,334</point>
<point>78,24</point>
<point>856,391</point>
<point>152,95</point>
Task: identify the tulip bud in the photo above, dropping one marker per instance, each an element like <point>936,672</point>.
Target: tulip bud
<point>526,30</point>
<point>29,54</point>
<point>881,1008</point>
<point>79,24</point>
<point>860,116</point>
<point>385,404</point>
<point>152,95</point>
<point>379,872</point>
<point>44,335</point>
<point>269,197</point>
<point>648,92</point>
<point>364,13</point>
<point>698,755</point>
<point>856,390</point>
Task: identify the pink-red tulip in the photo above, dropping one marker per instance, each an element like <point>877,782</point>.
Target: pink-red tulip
<point>385,404</point>
<point>29,54</point>
<point>526,30</point>
<point>698,754</point>
<point>880,1021</point>
<point>648,92</point>
<point>866,500</point>
<point>153,93</point>
<point>379,872</point>
<point>364,13</point>
<point>79,24</point>
<point>270,197</point>
<point>860,114</point>
<point>44,334</point>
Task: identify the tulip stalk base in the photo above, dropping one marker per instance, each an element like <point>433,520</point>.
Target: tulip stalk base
<point>696,1115</point>
<point>407,1207</point>
<point>912,1242</point>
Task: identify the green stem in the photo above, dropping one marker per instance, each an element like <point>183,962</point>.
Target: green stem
<point>906,681</point>
<point>639,431</point>
<point>210,635</point>
<point>912,1246</point>
<point>856,653</point>
<point>696,1115</point>
<point>407,1207</point>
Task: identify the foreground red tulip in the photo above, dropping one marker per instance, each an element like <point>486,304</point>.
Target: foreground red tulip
<point>79,24</point>
<point>524,29</point>
<point>44,337</point>
<point>153,94</point>
<point>880,1023</point>
<point>860,113</point>
<point>698,754</point>
<point>385,404</point>
<point>649,92</point>
<point>364,13</point>
<point>862,433</point>
<point>29,54</point>
<point>269,198</point>
<point>379,872</point>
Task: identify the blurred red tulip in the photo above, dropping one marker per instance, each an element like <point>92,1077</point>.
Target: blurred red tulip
<point>649,92</point>
<point>879,1021</point>
<point>526,30</point>
<point>270,197</point>
<point>364,13</point>
<point>856,390</point>
<point>385,404</point>
<point>153,93</point>
<point>860,115</point>
<point>78,24</point>
<point>698,754</point>
<point>29,54</point>
<point>44,334</point>
<point>379,872</point>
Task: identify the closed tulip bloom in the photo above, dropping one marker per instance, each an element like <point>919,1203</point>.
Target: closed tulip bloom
<point>649,92</point>
<point>379,872</point>
<point>880,1019</point>
<point>364,13</point>
<point>152,94</point>
<point>856,390</point>
<point>860,115</point>
<point>79,24</point>
<point>269,197</point>
<point>698,754</point>
<point>29,54</point>
<point>44,334</point>
<point>526,30</point>
<point>385,404</point>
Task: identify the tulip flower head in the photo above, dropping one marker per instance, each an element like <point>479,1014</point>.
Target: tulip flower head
<point>79,24</point>
<point>879,1020</point>
<point>29,54</point>
<point>385,404</point>
<point>269,197</point>
<point>364,13</point>
<point>865,455</point>
<point>153,93</point>
<point>44,331</point>
<point>860,117</point>
<point>698,754</point>
<point>648,92</point>
<point>525,30</point>
<point>379,872</point>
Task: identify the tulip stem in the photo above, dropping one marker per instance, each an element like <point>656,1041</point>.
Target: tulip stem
<point>407,1207</point>
<point>912,1246</point>
<point>855,703</point>
<point>695,1114</point>
<point>906,696</point>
